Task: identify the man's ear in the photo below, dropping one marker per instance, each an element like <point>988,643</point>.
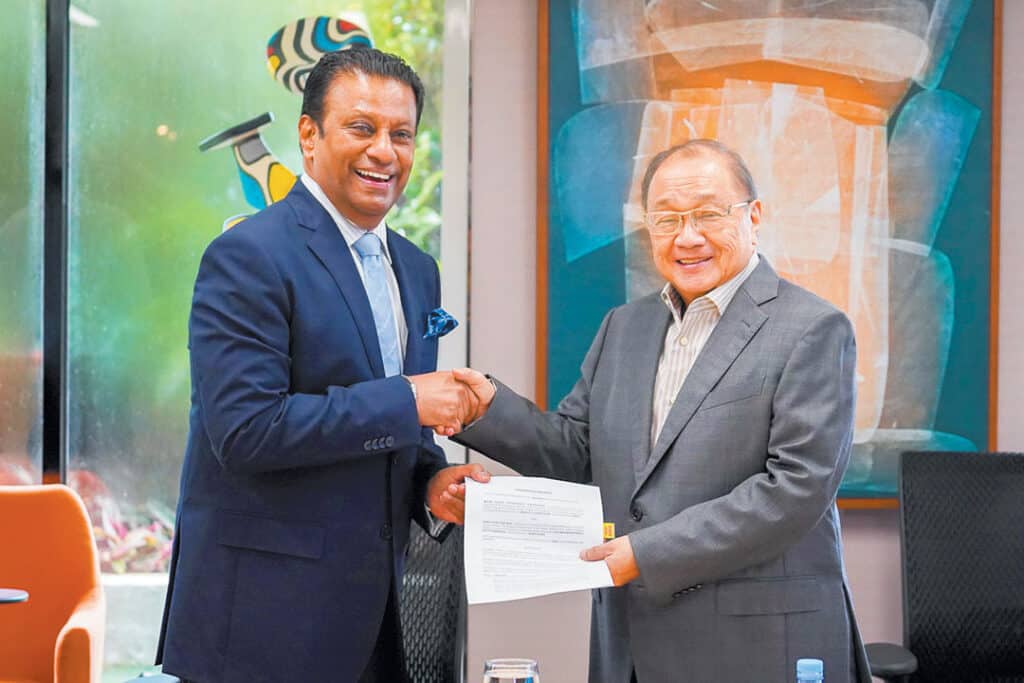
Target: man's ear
<point>755,220</point>
<point>308,132</point>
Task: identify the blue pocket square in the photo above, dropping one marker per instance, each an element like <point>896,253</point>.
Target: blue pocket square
<point>439,323</point>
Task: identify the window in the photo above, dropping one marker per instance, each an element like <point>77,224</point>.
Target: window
<point>148,83</point>
<point>22,99</point>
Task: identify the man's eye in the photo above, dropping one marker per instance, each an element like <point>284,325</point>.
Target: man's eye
<point>707,215</point>
<point>666,222</point>
<point>403,135</point>
<point>362,129</point>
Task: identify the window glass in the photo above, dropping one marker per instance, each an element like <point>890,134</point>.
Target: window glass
<point>22,100</point>
<point>149,82</point>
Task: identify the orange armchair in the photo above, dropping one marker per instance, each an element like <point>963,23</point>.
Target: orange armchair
<point>47,549</point>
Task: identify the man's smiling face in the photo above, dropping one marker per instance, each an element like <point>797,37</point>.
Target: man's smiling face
<point>362,152</point>
<point>697,261</point>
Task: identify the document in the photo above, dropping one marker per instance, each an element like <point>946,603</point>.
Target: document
<point>524,536</point>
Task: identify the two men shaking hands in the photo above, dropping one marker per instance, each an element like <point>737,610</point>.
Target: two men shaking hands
<point>449,401</point>
<point>715,415</point>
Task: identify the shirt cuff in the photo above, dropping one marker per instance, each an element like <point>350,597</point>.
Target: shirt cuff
<point>436,525</point>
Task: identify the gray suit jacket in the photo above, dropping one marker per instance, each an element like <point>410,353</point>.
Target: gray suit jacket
<point>731,514</point>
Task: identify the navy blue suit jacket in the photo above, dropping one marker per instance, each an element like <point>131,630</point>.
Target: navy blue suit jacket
<point>304,465</point>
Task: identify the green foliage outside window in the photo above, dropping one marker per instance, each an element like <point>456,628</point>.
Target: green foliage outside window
<point>149,81</point>
<point>414,29</point>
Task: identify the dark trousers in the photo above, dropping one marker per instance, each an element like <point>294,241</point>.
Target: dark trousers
<point>387,663</point>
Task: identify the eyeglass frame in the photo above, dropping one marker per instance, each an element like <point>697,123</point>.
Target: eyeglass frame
<point>681,217</point>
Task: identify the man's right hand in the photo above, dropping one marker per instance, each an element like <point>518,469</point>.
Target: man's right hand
<point>444,403</point>
<point>482,387</point>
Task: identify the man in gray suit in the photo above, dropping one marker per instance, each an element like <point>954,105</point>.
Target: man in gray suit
<point>716,416</point>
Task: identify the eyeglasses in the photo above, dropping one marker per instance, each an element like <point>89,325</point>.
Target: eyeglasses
<point>703,219</point>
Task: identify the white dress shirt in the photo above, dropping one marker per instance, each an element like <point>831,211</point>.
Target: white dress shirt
<point>686,337</point>
<point>351,233</point>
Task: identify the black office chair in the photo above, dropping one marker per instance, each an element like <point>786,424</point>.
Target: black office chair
<point>433,608</point>
<point>962,538</point>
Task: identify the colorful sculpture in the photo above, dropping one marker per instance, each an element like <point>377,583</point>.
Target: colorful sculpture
<point>292,52</point>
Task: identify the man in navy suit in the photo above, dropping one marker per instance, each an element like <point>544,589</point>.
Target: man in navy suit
<point>310,445</point>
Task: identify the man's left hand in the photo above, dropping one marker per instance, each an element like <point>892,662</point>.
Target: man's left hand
<point>618,555</point>
<point>446,491</point>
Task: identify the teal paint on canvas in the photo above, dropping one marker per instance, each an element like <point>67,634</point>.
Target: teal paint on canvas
<point>932,289</point>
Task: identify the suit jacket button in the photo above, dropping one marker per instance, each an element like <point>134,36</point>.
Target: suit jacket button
<point>385,532</point>
<point>367,446</point>
<point>389,442</point>
<point>636,512</point>
<point>677,594</point>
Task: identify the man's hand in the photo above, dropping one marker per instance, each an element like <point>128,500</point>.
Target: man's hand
<point>443,403</point>
<point>618,555</point>
<point>482,388</point>
<point>446,491</point>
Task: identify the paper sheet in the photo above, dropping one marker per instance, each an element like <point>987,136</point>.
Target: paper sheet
<point>524,536</point>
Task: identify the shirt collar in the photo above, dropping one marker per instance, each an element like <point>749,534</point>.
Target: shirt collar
<point>349,230</point>
<point>719,297</point>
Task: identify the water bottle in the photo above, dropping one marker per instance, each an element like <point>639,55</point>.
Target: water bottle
<point>810,671</point>
<point>511,671</point>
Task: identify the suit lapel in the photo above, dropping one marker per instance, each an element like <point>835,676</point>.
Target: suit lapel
<point>742,319</point>
<point>653,316</point>
<point>328,245</point>
<point>413,305</point>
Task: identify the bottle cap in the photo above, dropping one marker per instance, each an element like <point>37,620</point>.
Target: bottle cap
<point>810,668</point>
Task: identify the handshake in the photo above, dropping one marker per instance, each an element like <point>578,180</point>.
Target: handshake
<point>447,401</point>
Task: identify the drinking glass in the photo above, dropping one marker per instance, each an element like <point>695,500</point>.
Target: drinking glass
<point>511,671</point>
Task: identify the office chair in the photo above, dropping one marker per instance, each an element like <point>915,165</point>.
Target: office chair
<point>962,539</point>
<point>433,607</point>
<point>47,549</point>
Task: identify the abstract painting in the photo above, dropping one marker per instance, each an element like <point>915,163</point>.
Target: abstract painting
<point>867,127</point>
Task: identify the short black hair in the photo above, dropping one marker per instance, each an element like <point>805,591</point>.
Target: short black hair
<point>696,147</point>
<point>357,59</point>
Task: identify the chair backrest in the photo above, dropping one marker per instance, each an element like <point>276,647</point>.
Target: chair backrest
<point>962,536</point>
<point>433,608</point>
<point>46,548</point>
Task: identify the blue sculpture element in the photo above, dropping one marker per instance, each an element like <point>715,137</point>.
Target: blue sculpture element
<point>926,152</point>
<point>592,172</point>
<point>922,296</point>
<point>947,18</point>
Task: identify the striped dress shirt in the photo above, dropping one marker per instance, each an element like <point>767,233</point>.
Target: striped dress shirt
<point>691,326</point>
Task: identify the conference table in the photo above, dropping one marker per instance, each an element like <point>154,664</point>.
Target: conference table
<point>12,595</point>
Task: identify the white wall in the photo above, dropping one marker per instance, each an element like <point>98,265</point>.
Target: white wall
<point>1011,247</point>
<point>503,243</point>
<point>503,46</point>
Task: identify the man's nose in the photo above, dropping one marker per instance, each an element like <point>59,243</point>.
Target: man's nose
<point>381,148</point>
<point>688,234</point>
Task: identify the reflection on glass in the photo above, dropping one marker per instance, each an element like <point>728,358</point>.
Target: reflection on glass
<point>148,83</point>
<point>23,75</point>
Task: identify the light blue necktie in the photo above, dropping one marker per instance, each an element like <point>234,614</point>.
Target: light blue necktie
<point>371,253</point>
